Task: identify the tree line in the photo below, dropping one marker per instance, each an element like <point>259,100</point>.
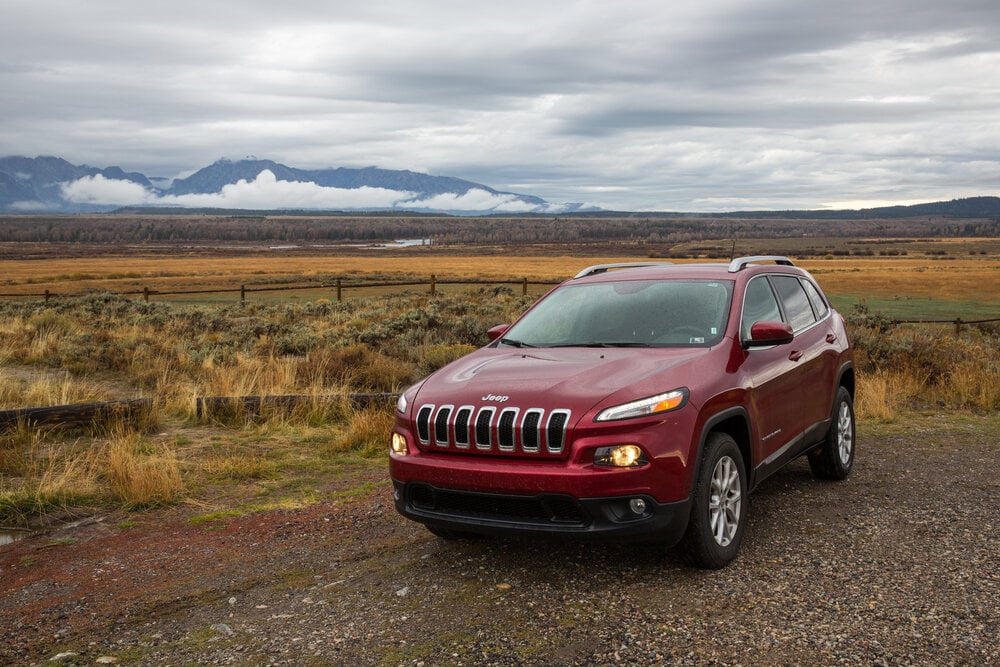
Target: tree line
<point>138,228</point>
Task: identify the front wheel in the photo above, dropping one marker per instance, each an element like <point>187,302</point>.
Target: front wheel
<point>719,506</point>
<point>835,457</point>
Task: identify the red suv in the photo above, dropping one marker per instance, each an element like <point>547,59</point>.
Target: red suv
<point>634,401</point>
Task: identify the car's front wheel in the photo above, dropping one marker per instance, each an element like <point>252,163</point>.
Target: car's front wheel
<point>719,507</point>
<point>835,457</point>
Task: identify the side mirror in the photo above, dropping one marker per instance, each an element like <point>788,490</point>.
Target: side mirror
<point>497,331</point>
<point>763,334</point>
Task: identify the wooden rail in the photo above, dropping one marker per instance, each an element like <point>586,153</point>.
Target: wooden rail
<point>76,414</point>
<point>206,406</point>
<point>339,286</point>
<point>85,414</point>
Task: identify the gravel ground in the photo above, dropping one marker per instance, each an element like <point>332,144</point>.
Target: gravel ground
<point>895,566</point>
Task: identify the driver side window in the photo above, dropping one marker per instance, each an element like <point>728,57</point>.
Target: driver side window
<point>758,306</point>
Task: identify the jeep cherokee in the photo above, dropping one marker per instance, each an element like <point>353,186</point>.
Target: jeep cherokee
<point>633,402</point>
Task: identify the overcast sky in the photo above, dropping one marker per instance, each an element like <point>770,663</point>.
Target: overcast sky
<point>681,105</point>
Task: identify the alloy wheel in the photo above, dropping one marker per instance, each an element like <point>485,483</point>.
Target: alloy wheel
<point>725,501</point>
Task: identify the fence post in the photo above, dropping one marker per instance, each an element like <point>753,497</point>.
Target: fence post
<point>524,286</point>
<point>338,290</point>
<point>958,326</point>
<point>46,296</point>
<point>433,284</point>
<point>145,294</point>
<point>243,293</point>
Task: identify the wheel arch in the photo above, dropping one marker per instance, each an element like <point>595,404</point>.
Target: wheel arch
<point>846,379</point>
<point>735,423</point>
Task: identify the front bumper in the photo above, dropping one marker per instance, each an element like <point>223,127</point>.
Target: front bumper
<point>543,514</point>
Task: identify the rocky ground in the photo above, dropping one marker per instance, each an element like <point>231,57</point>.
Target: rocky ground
<point>895,566</point>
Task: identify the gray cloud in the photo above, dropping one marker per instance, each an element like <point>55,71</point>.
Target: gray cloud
<point>632,105</point>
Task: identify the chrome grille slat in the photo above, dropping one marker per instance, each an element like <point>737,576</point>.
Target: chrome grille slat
<point>423,424</point>
<point>555,431</point>
<point>501,430</point>
<point>463,419</point>
<point>530,435</point>
<point>441,438</point>
<point>506,439</point>
<point>484,428</point>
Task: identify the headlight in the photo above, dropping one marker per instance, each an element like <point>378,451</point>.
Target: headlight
<point>645,406</point>
<point>398,445</point>
<point>622,456</point>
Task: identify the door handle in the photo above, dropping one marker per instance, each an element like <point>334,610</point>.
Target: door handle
<point>831,338</point>
<point>795,355</point>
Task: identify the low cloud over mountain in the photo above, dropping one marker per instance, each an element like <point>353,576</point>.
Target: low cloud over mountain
<point>49,184</point>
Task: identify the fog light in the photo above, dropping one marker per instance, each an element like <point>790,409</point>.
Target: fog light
<point>622,456</point>
<point>637,505</point>
<point>399,444</point>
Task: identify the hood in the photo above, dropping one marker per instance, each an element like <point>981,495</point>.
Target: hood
<point>573,378</point>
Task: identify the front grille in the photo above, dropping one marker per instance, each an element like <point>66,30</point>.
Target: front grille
<point>544,509</point>
<point>507,431</point>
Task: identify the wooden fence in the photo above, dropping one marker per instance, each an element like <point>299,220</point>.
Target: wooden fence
<point>134,409</point>
<point>339,286</point>
<point>958,322</point>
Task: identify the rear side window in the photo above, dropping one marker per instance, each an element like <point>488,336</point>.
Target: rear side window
<point>798,311</point>
<point>818,304</point>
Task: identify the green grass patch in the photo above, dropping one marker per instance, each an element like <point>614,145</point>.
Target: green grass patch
<point>915,308</point>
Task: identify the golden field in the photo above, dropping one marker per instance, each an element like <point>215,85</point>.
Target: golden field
<point>102,347</point>
<point>973,278</point>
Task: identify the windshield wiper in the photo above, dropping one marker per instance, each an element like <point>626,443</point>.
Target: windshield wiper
<point>603,344</point>
<point>631,343</point>
<point>515,343</point>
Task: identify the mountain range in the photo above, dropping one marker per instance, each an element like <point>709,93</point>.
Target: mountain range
<point>53,185</point>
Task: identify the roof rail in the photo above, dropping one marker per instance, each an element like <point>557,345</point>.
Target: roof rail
<point>601,268</point>
<point>741,263</point>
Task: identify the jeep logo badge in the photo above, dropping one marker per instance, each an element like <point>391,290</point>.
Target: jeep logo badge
<point>496,399</point>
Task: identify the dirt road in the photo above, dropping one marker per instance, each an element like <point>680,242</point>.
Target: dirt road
<point>897,565</point>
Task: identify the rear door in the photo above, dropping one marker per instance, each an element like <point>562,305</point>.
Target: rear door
<point>812,393</point>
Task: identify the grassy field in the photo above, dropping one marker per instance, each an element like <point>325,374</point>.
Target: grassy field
<point>911,287</point>
<point>100,347</point>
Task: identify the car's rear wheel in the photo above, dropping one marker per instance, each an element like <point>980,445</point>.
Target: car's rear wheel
<point>835,457</point>
<point>719,507</point>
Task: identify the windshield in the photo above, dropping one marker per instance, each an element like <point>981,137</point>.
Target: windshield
<point>627,313</point>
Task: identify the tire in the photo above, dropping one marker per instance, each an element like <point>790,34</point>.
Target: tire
<point>719,506</point>
<point>834,458</point>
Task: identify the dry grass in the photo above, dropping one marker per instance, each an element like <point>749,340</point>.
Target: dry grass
<point>52,352</point>
<point>917,276</point>
<point>974,383</point>
<point>367,431</point>
<point>139,473</point>
<point>37,389</point>
<point>958,279</point>
<point>42,470</point>
<point>883,395</point>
